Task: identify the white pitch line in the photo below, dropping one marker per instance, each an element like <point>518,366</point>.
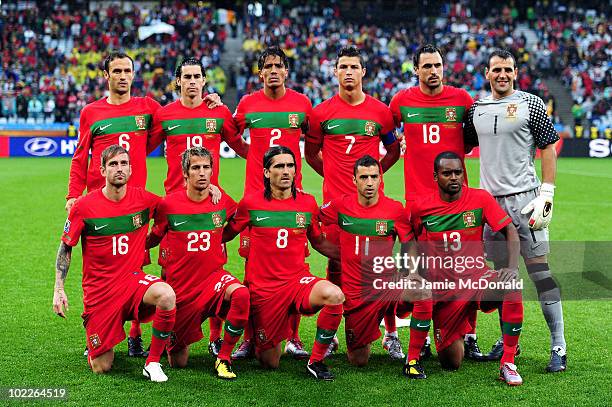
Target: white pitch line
<point>584,174</point>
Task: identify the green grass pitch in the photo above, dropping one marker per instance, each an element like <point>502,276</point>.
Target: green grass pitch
<point>42,350</point>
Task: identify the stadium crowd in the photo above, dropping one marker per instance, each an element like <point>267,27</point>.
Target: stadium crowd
<point>51,55</point>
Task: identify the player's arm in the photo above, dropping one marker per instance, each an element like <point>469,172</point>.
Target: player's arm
<point>233,137</point>
<point>545,137</point>
<point>78,166</point>
<point>237,222</point>
<point>213,100</point>
<point>323,246</point>
<point>393,152</point>
<point>514,250</point>
<point>156,134</point>
<point>470,137</point>
<point>239,146</point>
<point>62,264</point>
<point>314,144</point>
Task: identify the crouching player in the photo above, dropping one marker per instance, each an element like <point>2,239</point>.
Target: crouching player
<point>113,223</point>
<point>193,226</point>
<point>282,221</point>
<point>449,222</point>
<point>369,223</point>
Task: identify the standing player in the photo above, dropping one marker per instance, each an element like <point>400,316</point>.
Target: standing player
<point>449,224</point>
<point>344,128</point>
<point>282,221</point>
<point>369,223</point>
<point>194,263</point>
<point>116,119</point>
<point>432,114</point>
<point>189,122</point>
<point>275,116</point>
<point>113,223</point>
<point>509,125</point>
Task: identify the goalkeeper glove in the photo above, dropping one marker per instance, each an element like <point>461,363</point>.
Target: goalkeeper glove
<point>541,208</point>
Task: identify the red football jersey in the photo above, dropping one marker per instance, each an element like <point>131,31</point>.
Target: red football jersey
<point>432,124</point>
<point>113,236</point>
<point>365,233</point>
<point>454,229</point>
<point>347,133</point>
<point>277,238</point>
<point>183,128</point>
<point>272,122</point>
<point>194,232</point>
<point>103,124</point>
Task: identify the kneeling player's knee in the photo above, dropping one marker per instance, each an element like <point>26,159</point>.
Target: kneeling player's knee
<point>101,367</point>
<point>333,295</point>
<point>166,298</point>
<point>269,363</point>
<point>178,361</point>
<point>358,359</point>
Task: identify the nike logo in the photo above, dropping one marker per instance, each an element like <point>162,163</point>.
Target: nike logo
<point>102,128</point>
<point>411,114</point>
<point>551,303</point>
<point>256,120</point>
<point>179,223</point>
<point>480,114</point>
<point>327,337</point>
<point>227,328</point>
<point>516,329</point>
<point>344,223</point>
<point>101,227</point>
<point>170,128</point>
<point>422,326</point>
<point>430,223</point>
<point>163,335</point>
<point>329,127</point>
<point>258,219</point>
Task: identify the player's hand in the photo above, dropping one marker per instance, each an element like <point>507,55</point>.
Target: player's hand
<point>541,208</point>
<point>215,193</point>
<point>69,204</point>
<point>213,100</point>
<point>60,302</point>
<point>399,135</point>
<point>507,275</point>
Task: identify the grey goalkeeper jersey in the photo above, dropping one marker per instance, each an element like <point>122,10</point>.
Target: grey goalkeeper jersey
<point>508,131</point>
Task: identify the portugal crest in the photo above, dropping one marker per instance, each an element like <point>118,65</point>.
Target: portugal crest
<point>294,120</point>
<point>211,126</point>
<point>137,220</point>
<point>217,220</point>
<point>370,128</point>
<point>300,220</point>
<point>469,219</point>
<point>94,341</point>
<point>511,110</point>
<point>261,335</point>
<point>451,114</point>
<point>141,122</point>
<point>381,227</point>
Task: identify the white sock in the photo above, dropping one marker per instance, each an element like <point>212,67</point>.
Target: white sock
<point>393,334</point>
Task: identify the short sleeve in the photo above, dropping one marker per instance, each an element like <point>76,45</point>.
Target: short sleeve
<point>160,226</point>
<point>540,125</point>
<point>328,213</point>
<point>229,132</point>
<point>74,225</point>
<point>230,206</point>
<point>241,218</point>
<point>315,227</point>
<point>395,110</point>
<point>403,227</point>
<point>240,116</point>
<point>156,134</point>
<point>307,115</point>
<point>314,134</point>
<point>493,214</point>
<point>388,126</point>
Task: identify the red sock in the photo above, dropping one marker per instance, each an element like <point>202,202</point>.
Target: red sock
<point>419,327</point>
<point>237,318</point>
<point>135,330</point>
<point>390,325</point>
<point>163,322</point>
<point>215,328</point>
<point>294,326</point>
<point>512,324</point>
<point>327,324</point>
<point>472,321</point>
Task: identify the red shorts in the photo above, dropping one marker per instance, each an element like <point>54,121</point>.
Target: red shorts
<point>452,318</point>
<point>362,320</point>
<point>191,313</point>
<point>104,322</point>
<point>270,314</point>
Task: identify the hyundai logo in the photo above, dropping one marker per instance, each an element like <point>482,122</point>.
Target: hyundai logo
<point>40,146</point>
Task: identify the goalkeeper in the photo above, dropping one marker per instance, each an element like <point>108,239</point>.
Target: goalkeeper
<point>509,125</point>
